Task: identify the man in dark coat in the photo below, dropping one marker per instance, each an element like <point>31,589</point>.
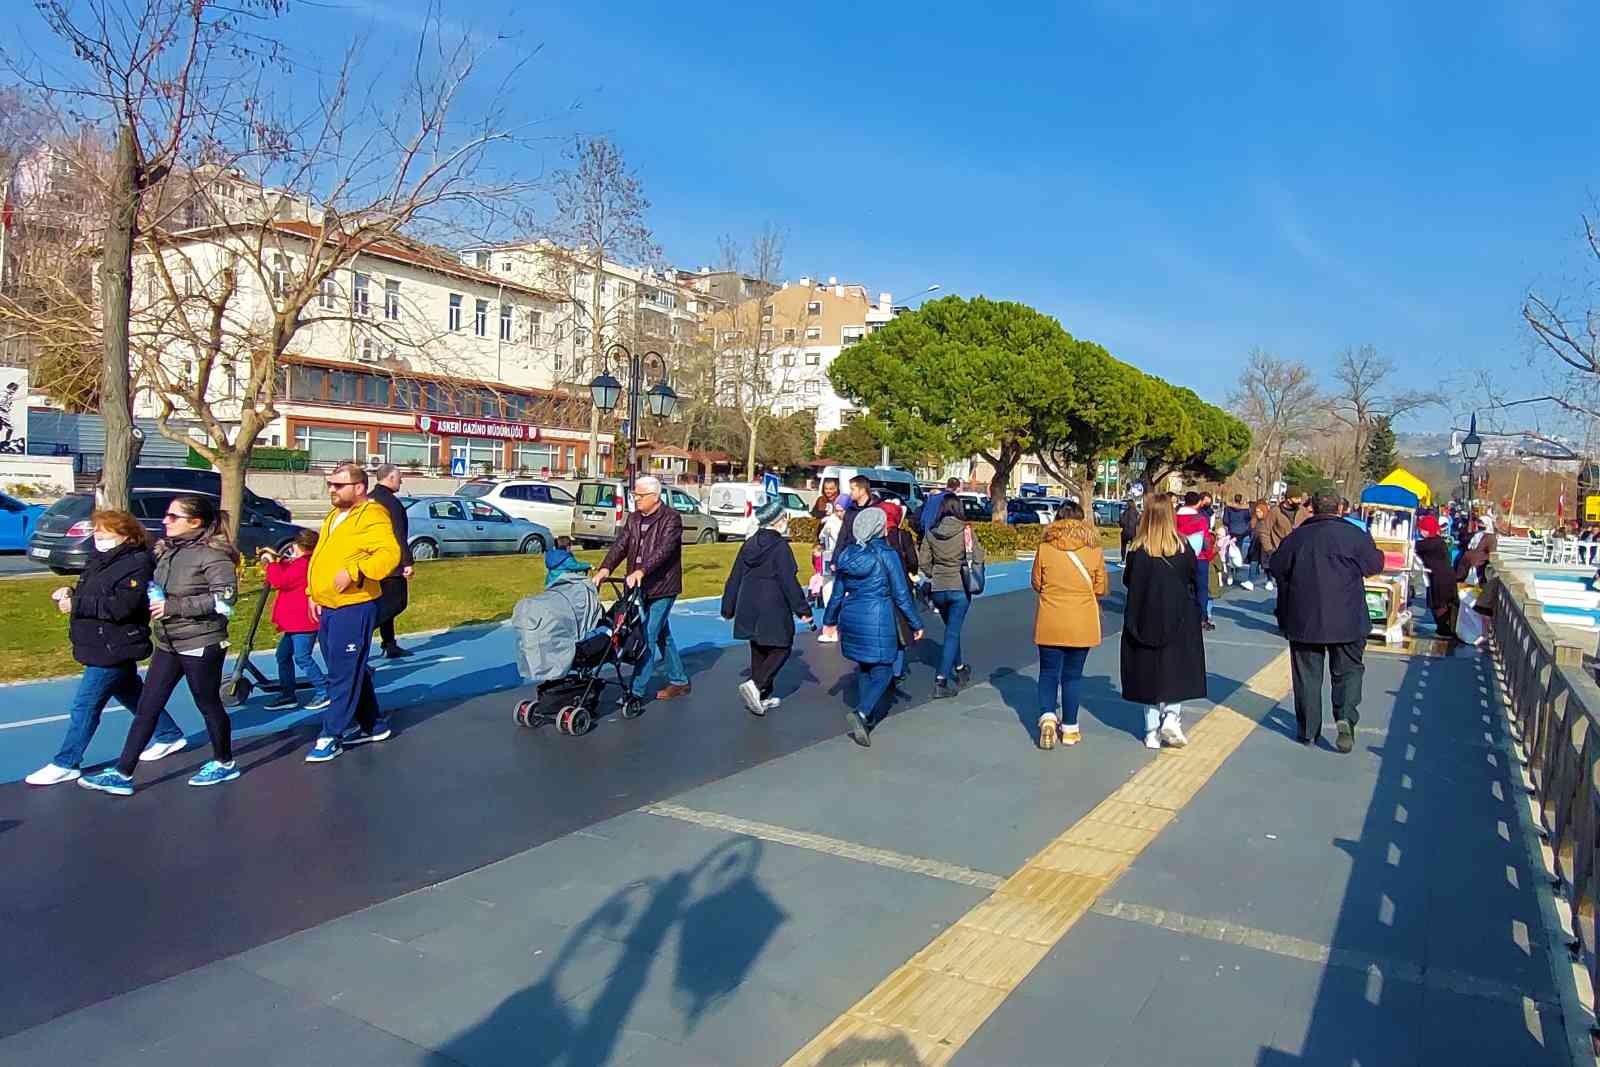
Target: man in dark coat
<point>396,587</point>
<point>652,543</point>
<point>1129,521</point>
<point>860,499</point>
<point>763,598</point>
<point>1322,610</point>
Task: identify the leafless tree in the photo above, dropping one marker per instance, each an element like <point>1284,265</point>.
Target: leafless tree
<point>600,210</point>
<point>1361,397</point>
<point>1279,400</point>
<point>166,75</point>
<point>756,342</point>
<point>1566,339</point>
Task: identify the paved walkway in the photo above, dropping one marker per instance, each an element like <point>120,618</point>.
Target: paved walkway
<point>701,887</point>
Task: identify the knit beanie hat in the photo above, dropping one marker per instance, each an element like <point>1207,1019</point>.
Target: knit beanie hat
<point>770,511</point>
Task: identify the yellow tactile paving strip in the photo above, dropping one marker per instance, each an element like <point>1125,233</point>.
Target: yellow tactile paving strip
<point>926,1010</point>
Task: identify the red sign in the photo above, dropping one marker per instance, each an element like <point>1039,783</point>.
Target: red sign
<point>450,425</point>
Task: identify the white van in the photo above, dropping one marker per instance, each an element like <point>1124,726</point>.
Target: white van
<point>733,505</point>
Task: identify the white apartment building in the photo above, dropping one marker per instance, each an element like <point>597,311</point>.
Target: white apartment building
<point>640,307</point>
<point>407,355</point>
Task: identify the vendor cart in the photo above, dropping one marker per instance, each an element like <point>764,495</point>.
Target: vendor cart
<point>1390,512</point>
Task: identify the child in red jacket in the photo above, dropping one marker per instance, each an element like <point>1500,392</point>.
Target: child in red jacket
<point>291,614</point>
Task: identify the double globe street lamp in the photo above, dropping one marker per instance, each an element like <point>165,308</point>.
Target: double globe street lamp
<point>661,401</point>
<point>1471,445</point>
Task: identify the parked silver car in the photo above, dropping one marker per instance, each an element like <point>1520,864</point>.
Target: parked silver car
<point>461,526</point>
<point>603,505</point>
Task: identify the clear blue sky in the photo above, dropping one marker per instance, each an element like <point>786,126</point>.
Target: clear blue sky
<point>1178,181</point>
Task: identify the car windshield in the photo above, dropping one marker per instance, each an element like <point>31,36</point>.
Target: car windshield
<point>475,489</point>
<point>597,495</point>
<point>72,507</point>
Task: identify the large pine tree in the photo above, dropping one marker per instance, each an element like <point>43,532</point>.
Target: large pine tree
<point>1381,456</point>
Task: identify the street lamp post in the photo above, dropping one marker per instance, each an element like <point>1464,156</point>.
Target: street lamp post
<point>1471,445</point>
<point>605,390</point>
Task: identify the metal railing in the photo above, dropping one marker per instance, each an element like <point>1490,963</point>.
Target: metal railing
<point>1553,705</point>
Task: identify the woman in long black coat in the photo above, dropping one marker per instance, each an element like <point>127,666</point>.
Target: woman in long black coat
<point>1444,599</point>
<point>763,597</point>
<point>1163,652</point>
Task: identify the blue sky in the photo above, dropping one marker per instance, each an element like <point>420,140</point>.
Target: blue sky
<point>1178,181</point>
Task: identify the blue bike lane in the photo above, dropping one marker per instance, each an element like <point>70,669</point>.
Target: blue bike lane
<point>447,665</point>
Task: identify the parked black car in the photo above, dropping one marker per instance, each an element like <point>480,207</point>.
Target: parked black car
<point>191,480</point>
<point>1023,512</point>
<point>64,537</point>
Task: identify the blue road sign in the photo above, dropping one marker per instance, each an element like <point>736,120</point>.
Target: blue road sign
<point>458,467</point>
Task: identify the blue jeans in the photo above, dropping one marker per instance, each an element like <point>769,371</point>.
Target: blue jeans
<point>952,605</point>
<point>1202,587</point>
<point>659,645</point>
<point>294,650</point>
<point>872,685</point>
<point>1061,669</point>
<point>98,685</point>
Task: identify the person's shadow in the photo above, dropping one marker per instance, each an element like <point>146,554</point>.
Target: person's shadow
<point>723,920</point>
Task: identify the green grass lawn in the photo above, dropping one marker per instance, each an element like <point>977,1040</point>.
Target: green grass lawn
<point>444,594</point>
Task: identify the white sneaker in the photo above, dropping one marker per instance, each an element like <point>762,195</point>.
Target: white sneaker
<point>163,749</point>
<point>1227,581</point>
<point>1172,733</point>
<point>770,703</point>
<point>1152,740</point>
<point>828,639</point>
<point>1071,735</point>
<point>1248,585</point>
<point>751,697</point>
<point>1270,585</point>
<point>50,774</point>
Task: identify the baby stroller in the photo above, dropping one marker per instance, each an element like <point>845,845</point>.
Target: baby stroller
<point>565,642</point>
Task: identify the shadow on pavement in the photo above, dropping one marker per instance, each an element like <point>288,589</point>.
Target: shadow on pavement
<point>1439,955</point>
<point>722,920</point>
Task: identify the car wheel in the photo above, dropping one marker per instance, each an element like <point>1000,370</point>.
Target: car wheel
<point>706,537</point>
<point>424,549</point>
<point>533,546</point>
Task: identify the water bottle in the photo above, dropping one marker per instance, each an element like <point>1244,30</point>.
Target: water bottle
<point>158,595</point>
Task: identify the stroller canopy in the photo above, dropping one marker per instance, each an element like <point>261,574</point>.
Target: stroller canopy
<point>549,624</point>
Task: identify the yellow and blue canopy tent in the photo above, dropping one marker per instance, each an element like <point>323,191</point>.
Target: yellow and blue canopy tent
<point>1406,480</point>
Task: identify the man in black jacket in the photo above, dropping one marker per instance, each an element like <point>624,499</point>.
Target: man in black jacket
<point>1322,610</point>
<point>652,543</point>
<point>395,588</point>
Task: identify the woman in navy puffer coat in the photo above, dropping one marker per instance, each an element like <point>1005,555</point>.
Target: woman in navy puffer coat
<point>870,589</point>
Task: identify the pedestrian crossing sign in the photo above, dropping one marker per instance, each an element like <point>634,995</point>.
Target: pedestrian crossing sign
<point>458,467</point>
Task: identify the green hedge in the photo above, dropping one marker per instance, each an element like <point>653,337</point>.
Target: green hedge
<point>265,458</point>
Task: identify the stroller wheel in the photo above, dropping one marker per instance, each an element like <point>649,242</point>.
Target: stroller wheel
<point>564,719</point>
<point>633,709</point>
<point>582,721</point>
<point>520,713</point>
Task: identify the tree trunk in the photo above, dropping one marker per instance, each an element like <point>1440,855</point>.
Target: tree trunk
<point>231,464</point>
<point>750,452</point>
<point>116,295</point>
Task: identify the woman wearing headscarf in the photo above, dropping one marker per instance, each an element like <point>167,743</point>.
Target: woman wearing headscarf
<point>1433,552</point>
<point>1163,652</point>
<point>1069,574</point>
<point>763,597</point>
<point>870,589</point>
<point>191,597</point>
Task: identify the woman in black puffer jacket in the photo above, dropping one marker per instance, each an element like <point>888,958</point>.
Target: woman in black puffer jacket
<point>191,598</point>
<point>110,632</point>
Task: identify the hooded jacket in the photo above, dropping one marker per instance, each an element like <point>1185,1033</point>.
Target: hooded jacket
<point>111,607</point>
<point>363,545</point>
<point>291,608</point>
<point>201,583</point>
<point>559,562</point>
<point>870,588</point>
<point>1068,615</point>
<point>1195,527</point>
<point>939,557</point>
<point>762,594</point>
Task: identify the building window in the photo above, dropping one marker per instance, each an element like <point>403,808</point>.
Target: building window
<point>557,365</point>
<point>359,301</point>
<point>623,290</point>
<point>405,396</point>
<point>814,308</point>
<point>536,457</point>
<point>374,391</point>
<point>409,449</point>
<point>306,383</point>
<point>330,445</point>
<point>480,318</point>
<point>788,359</point>
<point>852,334</point>
<point>505,322</point>
<point>813,333</point>
<point>341,387</point>
<point>280,276</point>
<point>766,337</point>
<point>813,359</point>
<point>788,333</point>
<point>391,300</point>
<point>435,399</point>
<point>535,325</point>
<point>480,260</point>
<point>811,389</point>
<point>766,313</point>
<point>455,311</point>
<point>580,337</point>
<point>480,453</point>
<point>325,293</point>
<point>516,407</point>
<point>505,266</point>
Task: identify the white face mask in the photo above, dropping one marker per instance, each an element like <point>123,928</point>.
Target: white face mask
<point>102,543</point>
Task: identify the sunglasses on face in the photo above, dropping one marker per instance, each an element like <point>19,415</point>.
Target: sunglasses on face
<point>341,485</point>
<point>173,516</point>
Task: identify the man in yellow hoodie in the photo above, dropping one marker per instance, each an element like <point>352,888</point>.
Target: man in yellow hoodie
<point>356,551</point>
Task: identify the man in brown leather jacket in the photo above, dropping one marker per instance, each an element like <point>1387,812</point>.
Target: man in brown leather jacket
<point>1282,520</point>
<point>652,543</point>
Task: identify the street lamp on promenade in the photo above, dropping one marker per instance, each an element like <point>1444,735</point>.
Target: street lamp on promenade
<point>1471,445</point>
<point>606,391</point>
